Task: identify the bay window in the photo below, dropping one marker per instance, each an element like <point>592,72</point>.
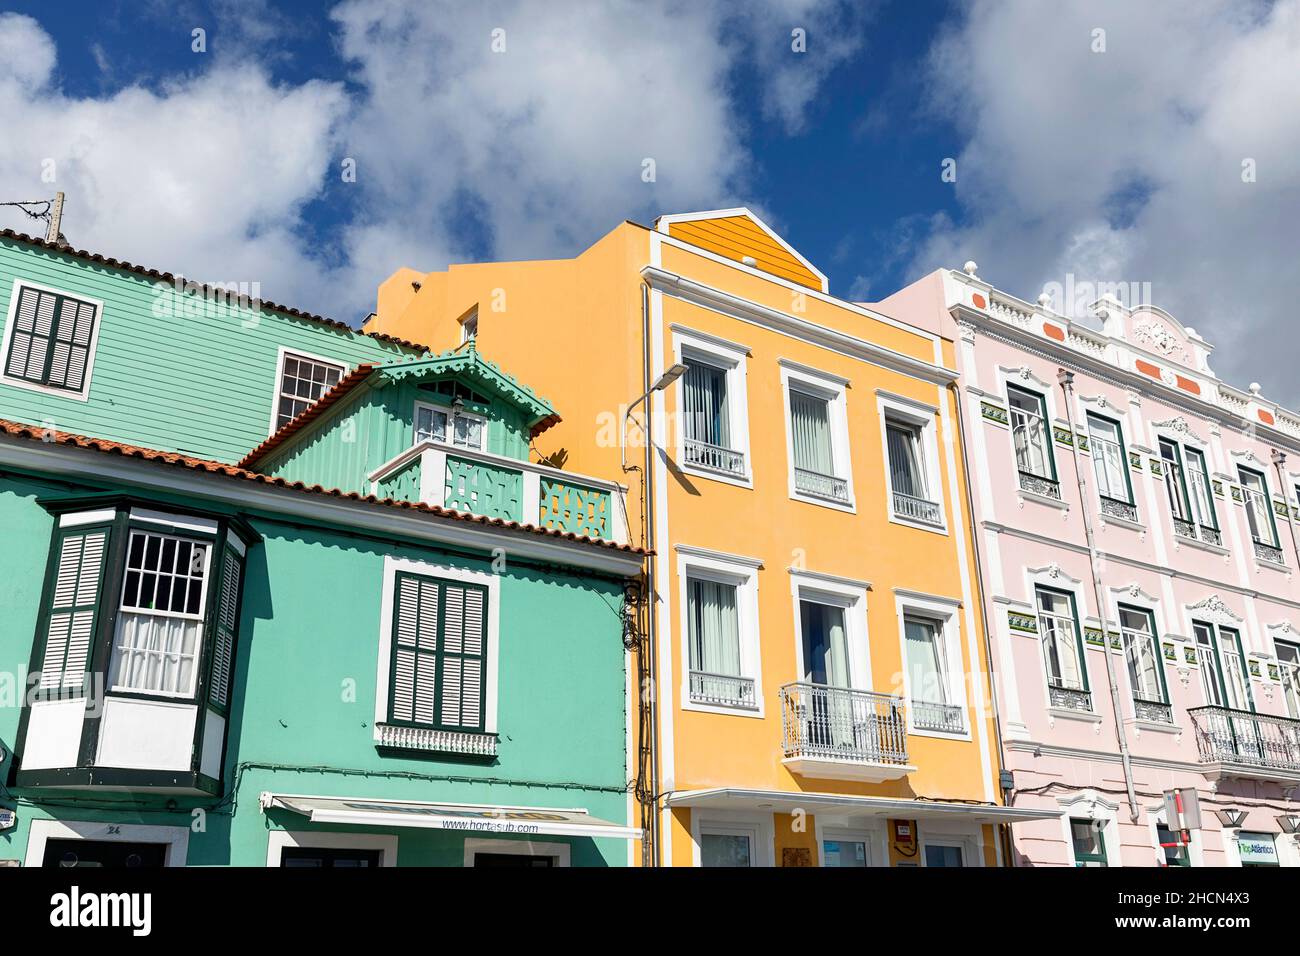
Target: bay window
<point>1110,464</point>
<point>1032,438</point>
<point>1146,672</point>
<point>1058,628</point>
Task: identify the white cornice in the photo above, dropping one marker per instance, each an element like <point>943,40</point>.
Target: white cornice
<point>765,317</point>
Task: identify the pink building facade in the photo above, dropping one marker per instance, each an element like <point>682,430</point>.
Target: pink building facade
<point>1116,479</point>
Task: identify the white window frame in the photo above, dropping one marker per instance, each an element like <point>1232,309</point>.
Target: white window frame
<point>1025,380</point>
<point>707,565</point>
<point>286,352</point>
<point>1054,579</point>
<point>760,829</point>
<point>451,412</point>
<point>832,389</point>
<point>732,359</point>
<point>176,839</point>
<point>490,582</point>
<point>468,325</point>
<point>279,840</point>
<point>1089,805</point>
<point>559,852</point>
<point>80,395</point>
<point>944,611</point>
<point>919,415</point>
<point>851,597</point>
<point>972,851</point>
<point>199,619</point>
<point>873,837</point>
<point>1138,600</point>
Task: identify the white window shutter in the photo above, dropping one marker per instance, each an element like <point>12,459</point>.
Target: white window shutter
<point>73,610</point>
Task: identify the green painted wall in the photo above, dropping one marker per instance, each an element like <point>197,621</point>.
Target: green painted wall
<point>304,692</point>
<point>168,374</point>
<point>358,435</point>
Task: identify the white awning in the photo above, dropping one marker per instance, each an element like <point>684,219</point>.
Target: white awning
<point>467,818</point>
<point>849,806</point>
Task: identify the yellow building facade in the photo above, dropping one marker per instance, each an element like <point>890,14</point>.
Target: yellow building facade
<point>816,687</point>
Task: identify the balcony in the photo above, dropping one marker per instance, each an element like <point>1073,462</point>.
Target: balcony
<point>722,690</point>
<point>1037,485</point>
<point>1069,698</point>
<point>817,485</point>
<point>1238,743</point>
<point>838,733</point>
<point>463,479</point>
<point>700,454</point>
<point>916,509</point>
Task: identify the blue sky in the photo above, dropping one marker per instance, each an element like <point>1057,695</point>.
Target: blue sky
<point>1121,164</point>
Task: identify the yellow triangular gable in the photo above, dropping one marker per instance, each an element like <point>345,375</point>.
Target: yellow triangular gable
<point>737,233</point>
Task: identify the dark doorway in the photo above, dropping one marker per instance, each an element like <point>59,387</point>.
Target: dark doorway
<point>512,859</point>
<point>109,854</point>
<point>321,858</point>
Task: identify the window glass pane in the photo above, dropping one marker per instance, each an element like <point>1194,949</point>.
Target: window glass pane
<point>1029,433</point>
<point>1108,458</point>
<point>1173,849</point>
<point>811,427</point>
<point>1258,509</point>
<point>905,473</point>
<point>302,382</point>
<point>469,431</point>
<point>1141,651</point>
<point>825,646</point>
<point>725,849</point>
<point>157,637</point>
<point>1288,657</point>
<point>1175,486</point>
<point>942,855</point>
<point>1089,844</point>
<point>714,627</point>
<point>1060,636</point>
<point>926,667</point>
<point>1198,488</point>
<point>1208,658</point>
<point>844,853</point>
<point>430,424</point>
<point>705,397</point>
<point>1235,677</point>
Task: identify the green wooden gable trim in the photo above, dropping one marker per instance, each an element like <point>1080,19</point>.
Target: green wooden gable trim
<point>472,368</point>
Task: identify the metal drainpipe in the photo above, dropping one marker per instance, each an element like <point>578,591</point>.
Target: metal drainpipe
<point>651,600</point>
<point>1279,460</point>
<point>1004,829</point>
<point>1066,378</point>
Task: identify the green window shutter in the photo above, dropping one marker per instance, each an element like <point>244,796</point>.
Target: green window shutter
<point>438,675</point>
<point>73,610</point>
<point>415,645</point>
<point>50,344</point>
<point>463,658</point>
<point>223,650</point>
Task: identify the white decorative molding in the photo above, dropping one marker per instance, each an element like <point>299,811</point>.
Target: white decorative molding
<point>1135,592</point>
<point>1161,340</point>
<point>1179,427</point>
<point>1024,373</point>
<point>1214,609</point>
<point>426,738</point>
<point>1054,572</point>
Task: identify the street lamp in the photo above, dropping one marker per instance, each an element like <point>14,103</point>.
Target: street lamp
<point>670,375</point>
<point>1289,822</point>
<point>1231,818</point>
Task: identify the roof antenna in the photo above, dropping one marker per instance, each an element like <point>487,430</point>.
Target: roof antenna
<point>51,212</point>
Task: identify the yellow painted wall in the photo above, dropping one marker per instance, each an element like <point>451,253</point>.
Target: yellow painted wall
<point>572,330</point>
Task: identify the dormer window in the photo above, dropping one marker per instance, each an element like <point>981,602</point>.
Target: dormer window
<point>450,426</point>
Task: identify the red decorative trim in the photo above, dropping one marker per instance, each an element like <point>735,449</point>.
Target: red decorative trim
<point>1146,368</point>
<point>979,300</point>
<point>1053,332</point>
<point>1187,385</point>
<point>1266,417</point>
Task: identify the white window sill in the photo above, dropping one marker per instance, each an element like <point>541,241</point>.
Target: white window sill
<point>847,508</point>
<point>1272,566</point>
<point>440,741</point>
<point>722,709</point>
<point>79,396</point>
<point>740,481</point>
<point>1201,545</point>
<point>939,734</point>
<point>1042,499</point>
<point>918,525</point>
<point>1123,523</point>
<point>1086,716</point>
<point>1157,727</point>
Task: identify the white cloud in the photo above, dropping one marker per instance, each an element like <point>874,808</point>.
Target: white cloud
<point>1126,165</point>
<point>460,152</point>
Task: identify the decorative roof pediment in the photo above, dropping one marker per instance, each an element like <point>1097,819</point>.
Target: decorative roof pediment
<point>468,365</point>
<point>740,235</point>
<point>1216,611</point>
<point>1154,330</point>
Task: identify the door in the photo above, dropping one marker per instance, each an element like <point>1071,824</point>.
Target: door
<point>513,860</point>
<point>107,854</point>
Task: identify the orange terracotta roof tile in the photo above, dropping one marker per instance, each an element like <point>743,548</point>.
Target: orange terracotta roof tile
<point>107,446</point>
<point>309,414</point>
<point>203,287</point>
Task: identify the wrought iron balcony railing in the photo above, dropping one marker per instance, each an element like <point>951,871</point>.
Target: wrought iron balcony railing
<point>821,486</point>
<point>713,457</point>
<point>722,690</point>
<point>1038,485</point>
<point>1069,698</point>
<point>1246,742</point>
<point>839,723</point>
<point>917,509</point>
<point>947,718</point>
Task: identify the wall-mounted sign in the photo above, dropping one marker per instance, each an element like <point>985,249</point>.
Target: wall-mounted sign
<point>1258,849</point>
